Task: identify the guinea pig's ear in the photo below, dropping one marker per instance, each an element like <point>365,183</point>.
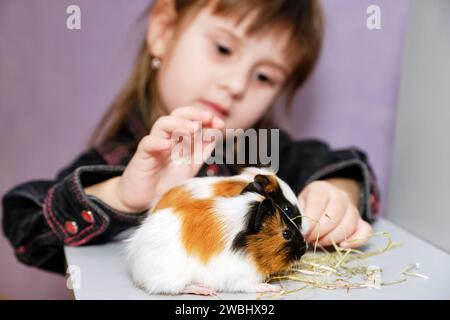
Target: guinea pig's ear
<point>265,209</point>
<point>258,185</point>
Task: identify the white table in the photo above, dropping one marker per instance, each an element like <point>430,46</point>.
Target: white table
<point>100,272</point>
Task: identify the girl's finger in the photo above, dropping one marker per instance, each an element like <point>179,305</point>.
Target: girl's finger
<point>204,143</point>
<point>165,126</point>
<point>205,117</point>
<point>346,227</point>
<point>208,148</point>
<point>192,113</point>
<point>314,206</point>
<point>330,219</point>
<point>359,237</point>
<point>151,143</point>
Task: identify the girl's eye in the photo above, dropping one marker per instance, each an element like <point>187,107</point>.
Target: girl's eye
<point>223,50</point>
<point>264,79</point>
<point>261,77</point>
<point>287,234</point>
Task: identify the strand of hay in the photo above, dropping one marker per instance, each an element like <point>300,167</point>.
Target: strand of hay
<point>342,269</point>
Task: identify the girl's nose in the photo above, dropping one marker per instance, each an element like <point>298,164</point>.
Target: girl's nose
<point>235,82</point>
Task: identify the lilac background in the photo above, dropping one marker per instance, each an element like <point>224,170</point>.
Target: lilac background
<point>56,83</point>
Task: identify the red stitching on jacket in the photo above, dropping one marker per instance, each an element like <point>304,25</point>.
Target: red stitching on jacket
<point>88,237</point>
<point>50,216</point>
<point>86,230</point>
<point>374,195</point>
<point>77,192</point>
<point>23,248</point>
<point>113,156</point>
<point>375,203</point>
<point>136,127</point>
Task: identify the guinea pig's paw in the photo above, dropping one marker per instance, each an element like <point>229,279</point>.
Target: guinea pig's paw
<point>199,289</point>
<point>266,287</point>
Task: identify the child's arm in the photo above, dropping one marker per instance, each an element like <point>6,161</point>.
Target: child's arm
<point>349,187</point>
<point>89,203</point>
<point>40,217</point>
<point>107,191</point>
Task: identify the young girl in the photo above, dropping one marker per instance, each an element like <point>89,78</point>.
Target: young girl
<point>204,64</point>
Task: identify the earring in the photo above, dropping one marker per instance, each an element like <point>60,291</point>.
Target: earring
<point>155,63</point>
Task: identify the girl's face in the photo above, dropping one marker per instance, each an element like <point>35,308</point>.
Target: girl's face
<point>212,62</point>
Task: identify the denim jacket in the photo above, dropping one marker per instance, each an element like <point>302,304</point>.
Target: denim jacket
<point>41,217</point>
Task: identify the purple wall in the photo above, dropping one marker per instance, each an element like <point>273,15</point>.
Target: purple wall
<point>352,96</point>
<point>56,83</point>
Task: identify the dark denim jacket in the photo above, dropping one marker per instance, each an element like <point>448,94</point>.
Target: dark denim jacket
<point>41,217</point>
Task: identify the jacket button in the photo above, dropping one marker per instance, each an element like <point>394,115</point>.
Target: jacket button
<point>71,227</point>
<point>212,170</point>
<point>21,250</point>
<point>87,216</point>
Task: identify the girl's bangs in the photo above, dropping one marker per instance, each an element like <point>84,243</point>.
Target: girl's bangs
<point>275,17</point>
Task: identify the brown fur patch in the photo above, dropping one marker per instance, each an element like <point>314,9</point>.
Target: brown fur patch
<point>201,232</point>
<point>273,184</point>
<point>267,247</point>
<point>229,188</point>
<point>173,198</point>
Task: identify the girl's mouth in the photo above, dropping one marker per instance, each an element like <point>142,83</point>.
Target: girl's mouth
<point>216,109</point>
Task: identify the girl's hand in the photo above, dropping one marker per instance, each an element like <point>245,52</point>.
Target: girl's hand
<point>152,171</point>
<point>333,204</point>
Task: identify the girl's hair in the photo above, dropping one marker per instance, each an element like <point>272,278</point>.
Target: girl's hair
<point>302,18</point>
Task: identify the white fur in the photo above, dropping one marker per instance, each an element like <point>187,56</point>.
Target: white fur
<point>200,188</point>
<point>159,263</point>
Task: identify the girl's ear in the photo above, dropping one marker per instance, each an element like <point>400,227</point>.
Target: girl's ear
<point>161,27</point>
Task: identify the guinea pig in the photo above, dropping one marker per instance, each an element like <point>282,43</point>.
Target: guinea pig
<point>213,234</point>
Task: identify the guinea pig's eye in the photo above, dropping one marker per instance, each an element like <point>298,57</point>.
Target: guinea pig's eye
<point>287,234</point>
<point>288,210</point>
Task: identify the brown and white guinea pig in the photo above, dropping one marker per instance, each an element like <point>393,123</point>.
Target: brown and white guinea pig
<point>213,234</point>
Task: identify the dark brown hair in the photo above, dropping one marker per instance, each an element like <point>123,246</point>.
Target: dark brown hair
<point>302,18</point>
